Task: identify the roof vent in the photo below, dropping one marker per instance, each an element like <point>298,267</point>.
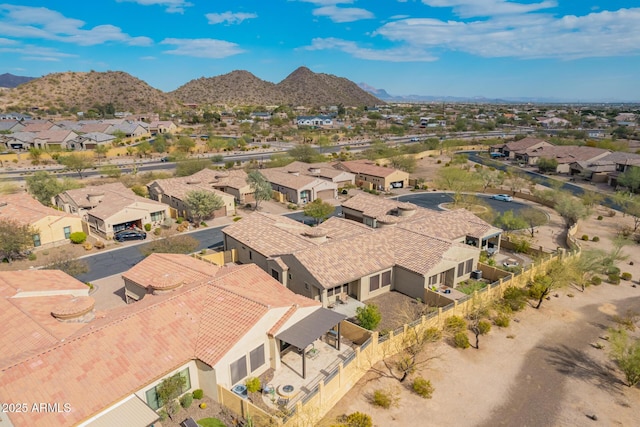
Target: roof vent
<point>386,221</point>
<point>316,235</point>
<point>314,171</point>
<point>294,173</point>
<point>78,309</point>
<point>166,283</point>
<point>406,209</point>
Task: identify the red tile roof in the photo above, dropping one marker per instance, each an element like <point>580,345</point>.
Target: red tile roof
<point>24,209</point>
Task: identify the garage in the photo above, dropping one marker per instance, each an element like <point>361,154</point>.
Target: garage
<point>326,194</point>
<point>397,184</point>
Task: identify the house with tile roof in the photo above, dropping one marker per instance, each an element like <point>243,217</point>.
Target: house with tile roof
<point>111,208</point>
<point>130,129</point>
<point>565,155</point>
<point>18,140</point>
<point>11,126</point>
<point>90,141</point>
<point>215,327</point>
<point>40,126</point>
<point>174,192</point>
<point>604,168</point>
<point>371,176</point>
<point>51,227</point>
<point>314,121</point>
<point>298,188</point>
<point>515,150</point>
<point>54,139</point>
<point>320,170</point>
<point>162,126</point>
<point>409,250</point>
<point>233,182</point>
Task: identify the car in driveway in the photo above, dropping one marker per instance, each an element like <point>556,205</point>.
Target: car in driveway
<point>126,235</point>
<point>502,197</point>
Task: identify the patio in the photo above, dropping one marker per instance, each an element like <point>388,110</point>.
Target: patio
<point>348,307</point>
<point>321,359</point>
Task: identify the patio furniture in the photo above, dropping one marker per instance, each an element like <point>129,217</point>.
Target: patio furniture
<point>283,402</point>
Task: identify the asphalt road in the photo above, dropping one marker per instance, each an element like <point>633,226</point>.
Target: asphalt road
<point>116,261</point>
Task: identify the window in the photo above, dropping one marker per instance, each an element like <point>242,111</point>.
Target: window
<point>468,266</point>
<point>256,357</point>
<point>306,285</point>
<point>250,255</point>
<point>460,269</point>
<point>152,394</point>
<point>433,280</point>
<point>374,283</point>
<point>156,216</point>
<point>238,369</point>
<point>386,278</point>
<point>275,274</point>
<point>36,240</point>
<point>290,279</point>
<point>67,232</point>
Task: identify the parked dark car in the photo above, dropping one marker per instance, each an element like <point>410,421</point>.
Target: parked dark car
<point>123,236</point>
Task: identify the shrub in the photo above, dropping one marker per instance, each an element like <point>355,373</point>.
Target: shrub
<point>147,227</point>
<point>502,321</point>
<point>203,405</point>
<point>439,161</point>
<point>455,324</point>
<point>292,206</point>
<point>368,316</point>
<point>32,257</point>
<point>484,327</point>
<point>198,394</point>
<point>585,237</point>
<point>613,278</point>
<point>432,334</point>
<point>515,298</point>
<point>78,237</point>
<point>599,217</point>
<point>356,419</point>
<point>99,244</point>
<point>163,415</point>
<point>186,400</point>
<point>87,246</point>
<point>384,399</point>
<point>461,340</point>
<point>596,280</point>
<point>237,218</point>
<point>613,270</point>
<point>179,220</point>
<point>595,239</point>
<point>625,276</point>
<point>203,224</point>
<point>253,384</point>
<point>423,387</point>
<point>157,231</point>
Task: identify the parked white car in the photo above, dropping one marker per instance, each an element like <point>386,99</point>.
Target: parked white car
<point>502,197</point>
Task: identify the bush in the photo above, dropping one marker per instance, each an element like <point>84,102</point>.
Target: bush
<point>384,399</point>
<point>198,394</point>
<point>461,340</point>
<point>432,334</point>
<point>179,220</point>
<point>157,231</point>
<point>87,246</point>
<point>599,217</point>
<point>99,244</point>
<point>423,387</point>
<point>203,405</point>
<point>585,237</point>
<point>595,239</point>
<point>32,257</point>
<point>613,278</point>
<point>613,270</point>
<point>78,237</point>
<point>253,384</point>
<point>455,324</point>
<point>484,327</point>
<point>439,161</point>
<point>357,419</point>
<point>596,280</point>
<point>625,276</point>
<point>368,316</point>
<point>515,298</point>
<point>147,227</point>
<point>186,400</point>
<point>237,218</point>
<point>502,321</point>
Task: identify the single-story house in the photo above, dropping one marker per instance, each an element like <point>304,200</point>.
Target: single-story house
<point>565,155</point>
<point>320,170</point>
<point>90,141</point>
<point>298,188</point>
<point>233,182</point>
<point>318,121</point>
<point>18,140</point>
<point>410,252</point>
<point>52,227</point>
<point>54,139</point>
<point>130,129</point>
<point>368,174</point>
<point>111,208</point>
<point>213,326</point>
<point>600,170</point>
<point>162,126</point>
<point>174,192</point>
<point>40,126</point>
<point>515,150</point>
<point>11,126</point>
<point>14,116</point>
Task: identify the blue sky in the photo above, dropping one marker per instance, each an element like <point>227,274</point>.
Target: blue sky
<point>568,50</point>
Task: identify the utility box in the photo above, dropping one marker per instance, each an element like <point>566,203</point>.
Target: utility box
<point>476,274</point>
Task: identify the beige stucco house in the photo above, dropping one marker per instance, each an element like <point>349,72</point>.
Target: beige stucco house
<point>515,150</point>
<point>565,155</point>
<point>233,182</point>
<point>52,227</point>
<point>299,188</point>
<point>371,176</point>
<point>410,251</point>
<point>111,208</point>
<point>213,326</point>
<point>174,192</point>
<point>320,170</point>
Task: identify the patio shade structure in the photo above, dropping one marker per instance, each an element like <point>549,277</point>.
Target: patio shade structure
<point>303,333</point>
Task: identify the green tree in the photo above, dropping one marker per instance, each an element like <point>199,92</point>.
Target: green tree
<point>404,163</point>
<point>458,181</point>
<point>510,222</point>
<point>305,153</point>
<point>319,210</point>
<point>571,209</point>
<point>546,165</point>
<point>625,350</point>
<point>202,204</point>
<point>260,186</point>
<point>630,205</point>
<point>44,186</point>
<point>533,218</point>
<point>368,316</point>
<point>35,154</point>
<point>160,144</point>
<point>168,391</point>
<point>144,148</point>
<point>102,150</point>
<point>15,238</point>
<point>76,162</point>
<point>557,276</point>
<point>112,171</point>
<point>185,144</point>
<point>64,261</point>
<point>630,178</point>
<point>189,167</point>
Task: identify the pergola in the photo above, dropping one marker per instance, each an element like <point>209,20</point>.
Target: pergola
<point>303,333</point>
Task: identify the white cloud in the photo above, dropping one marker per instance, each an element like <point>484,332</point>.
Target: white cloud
<point>148,58</point>
<point>202,48</point>
<point>475,8</point>
<point>229,17</point>
<point>343,14</point>
<point>5,42</point>
<point>37,53</point>
<point>327,2</point>
<point>43,23</point>
<point>526,36</point>
<point>173,6</point>
<point>403,54</point>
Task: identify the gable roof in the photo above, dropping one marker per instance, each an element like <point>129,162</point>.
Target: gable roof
<point>568,153</point>
<point>142,342</point>
<point>366,167</point>
<point>290,180</point>
<point>179,187</point>
<point>524,144</point>
<point>25,210</point>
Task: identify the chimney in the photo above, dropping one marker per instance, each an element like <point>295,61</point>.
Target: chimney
<point>316,235</point>
<point>406,209</point>
<point>77,309</point>
<point>386,221</point>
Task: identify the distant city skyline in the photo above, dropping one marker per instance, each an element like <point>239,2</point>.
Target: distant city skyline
<point>547,49</point>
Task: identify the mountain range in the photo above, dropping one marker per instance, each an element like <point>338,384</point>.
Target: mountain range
<point>84,90</point>
<point>10,81</point>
